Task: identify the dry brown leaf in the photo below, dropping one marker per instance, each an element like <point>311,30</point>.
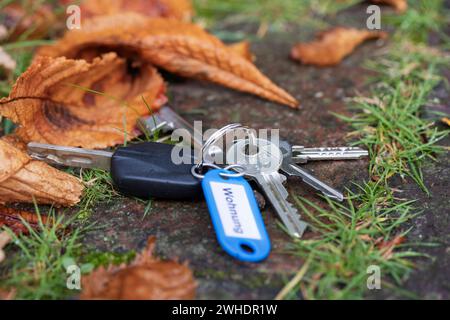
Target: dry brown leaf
<point>176,9</point>
<point>32,22</point>
<point>399,5</point>
<point>51,103</point>
<point>176,46</point>
<point>242,48</point>
<point>7,295</point>
<point>146,278</point>
<point>23,179</point>
<point>387,247</point>
<point>332,46</point>
<point>12,218</point>
<point>446,121</point>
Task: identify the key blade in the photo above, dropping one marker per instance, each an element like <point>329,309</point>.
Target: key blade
<point>70,156</point>
<point>277,195</point>
<point>167,120</point>
<point>303,155</point>
<point>294,170</point>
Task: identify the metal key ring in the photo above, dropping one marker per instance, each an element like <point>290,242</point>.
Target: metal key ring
<point>233,175</point>
<point>219,134</point>
<point>223,174</point>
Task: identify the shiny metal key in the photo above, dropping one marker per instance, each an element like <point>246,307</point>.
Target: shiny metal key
<point>70,156</point>
<point>167,120</point>
<point>290,168</point>
<point>262,166</point>
<point>301,154</point>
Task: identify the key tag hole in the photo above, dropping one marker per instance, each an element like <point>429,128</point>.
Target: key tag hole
<point>247,249</point>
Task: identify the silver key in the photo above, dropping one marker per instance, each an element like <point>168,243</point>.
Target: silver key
<point>290,168</point>
<point>167,120</point>
<point>263,166</point>
<point>70,156</point>
<point>301,154</point>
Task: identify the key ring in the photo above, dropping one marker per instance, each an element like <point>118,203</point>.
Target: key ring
<point>223,174</point>
<point>218,135</point>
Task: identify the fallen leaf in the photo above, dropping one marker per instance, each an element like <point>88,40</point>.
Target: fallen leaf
<point>176,9</point>
<point>146,278</point>
<point>446,121</point>
<point>23,179</point>
<point>27,20</point>
<point>12,218</point>
<point>5,238</point>
<point>52,103</point>
<point>332,46</point>
<point>6,62</point>
<point>399,5</point>
<point>387,247</point>
<point>179,47</point>
<point>242,48</point>
<point>7,295</point>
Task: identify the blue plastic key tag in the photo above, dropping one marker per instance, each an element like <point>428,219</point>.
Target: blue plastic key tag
<point>236,217</point>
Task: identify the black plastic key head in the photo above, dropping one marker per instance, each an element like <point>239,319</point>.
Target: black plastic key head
<point>146,171</point>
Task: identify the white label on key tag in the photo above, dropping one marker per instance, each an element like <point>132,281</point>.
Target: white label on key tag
<point>234,210</point>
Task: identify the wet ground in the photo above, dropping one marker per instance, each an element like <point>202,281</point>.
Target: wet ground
<point>184,229</point>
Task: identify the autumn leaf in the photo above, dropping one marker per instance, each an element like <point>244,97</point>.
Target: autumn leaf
<point>176,46</point>
<point>176,9</point>
<point>76,103</point>
<point>146,278</point>
<point>332,46</point>
<point>242,48</point>
<point>446,121</point>
<point>7,294</point>
<point>12,218</point>
<point>399,5</point>
<point>387,247</point>
<point>23,179</point>
<point>20,20</point>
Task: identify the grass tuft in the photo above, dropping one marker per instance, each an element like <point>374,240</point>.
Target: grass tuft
<point>38,269</point>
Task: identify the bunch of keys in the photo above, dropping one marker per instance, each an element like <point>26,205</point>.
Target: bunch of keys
<point>146,170</point>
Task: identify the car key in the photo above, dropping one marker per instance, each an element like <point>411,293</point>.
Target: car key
<point>263,167</point>
<point>292,169</point>
<point>167,120</point>
<point>142,170</point>
<point>301,154</point>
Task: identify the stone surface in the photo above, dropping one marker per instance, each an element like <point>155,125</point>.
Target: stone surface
<point>184,229</point>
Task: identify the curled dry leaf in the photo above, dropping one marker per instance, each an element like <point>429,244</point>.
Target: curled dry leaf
<point>175,9</point>
<point>54,102</point>
<point>146,278</point>
<point>332,46</point>
<point>179,47</point>
<point>31,21</point>
<point>23,179</point>
<point>399,5</point>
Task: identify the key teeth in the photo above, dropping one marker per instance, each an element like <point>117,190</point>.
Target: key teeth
<point>299,223</point>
